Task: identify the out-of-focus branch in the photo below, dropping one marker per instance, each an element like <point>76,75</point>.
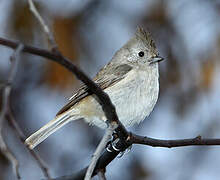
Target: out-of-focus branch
<point>43,25</point>
<point>21,136</point>
<point>6,113</point>
<point>99,149</point>
<point>5,102</point>
<point>10,156</point>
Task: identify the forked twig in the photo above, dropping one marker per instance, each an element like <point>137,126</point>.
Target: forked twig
<point>5,101</point>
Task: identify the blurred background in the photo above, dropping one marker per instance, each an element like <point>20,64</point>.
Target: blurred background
<point>187,34</point>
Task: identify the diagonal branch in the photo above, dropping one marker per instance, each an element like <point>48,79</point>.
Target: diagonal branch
<point>111,124</point>
<point>21,136</point>
<point>6,112</point>
<point>104,99</point>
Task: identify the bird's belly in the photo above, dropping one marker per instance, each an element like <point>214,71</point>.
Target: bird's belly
<point>133,103</point>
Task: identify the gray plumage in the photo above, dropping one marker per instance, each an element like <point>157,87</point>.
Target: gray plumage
<point>131,81</point>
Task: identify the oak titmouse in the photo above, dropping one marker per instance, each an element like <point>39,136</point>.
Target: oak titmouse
<point>131,81</point>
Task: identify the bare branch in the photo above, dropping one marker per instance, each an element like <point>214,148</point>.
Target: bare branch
<point>107,157</point>
<point>21,136</point>
<point>9,155</point>
<point>6,94</point>
<point>43,25</point>
<point>104,99</point>
<point>109,131</point>
<point>197,141</point>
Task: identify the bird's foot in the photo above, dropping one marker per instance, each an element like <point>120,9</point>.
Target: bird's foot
<point>112,145</point>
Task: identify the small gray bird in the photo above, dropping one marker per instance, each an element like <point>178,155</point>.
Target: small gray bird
<point>131,79</point>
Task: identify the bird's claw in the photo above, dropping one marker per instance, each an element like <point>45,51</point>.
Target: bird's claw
<point>112,146</point>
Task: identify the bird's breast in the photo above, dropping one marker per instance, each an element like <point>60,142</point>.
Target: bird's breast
<point>134,97</point>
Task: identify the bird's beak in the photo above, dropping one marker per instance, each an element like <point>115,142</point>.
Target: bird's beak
<point>156,59</point>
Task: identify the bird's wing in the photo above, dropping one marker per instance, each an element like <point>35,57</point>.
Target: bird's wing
<point>107,77</point>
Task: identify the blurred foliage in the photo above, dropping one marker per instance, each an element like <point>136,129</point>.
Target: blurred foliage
<point>65,33</point>
<point>22,22</point>
<point>207,74</point>
<point>138,171</point>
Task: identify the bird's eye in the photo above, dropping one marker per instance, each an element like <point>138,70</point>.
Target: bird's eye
<point>141,54</point>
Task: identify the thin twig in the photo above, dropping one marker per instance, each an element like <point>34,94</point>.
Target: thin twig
<point>101,175</point>
<point>43,25</point>
<point>10,156</point>
<point>197,141</point>
<point>107,136</point>
<point>6,95</point>
<point>21,136</point>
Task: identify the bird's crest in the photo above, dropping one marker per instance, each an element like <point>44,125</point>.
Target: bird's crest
<point>146,38</point>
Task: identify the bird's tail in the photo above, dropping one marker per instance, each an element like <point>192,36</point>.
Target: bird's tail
<point>55,124</point>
